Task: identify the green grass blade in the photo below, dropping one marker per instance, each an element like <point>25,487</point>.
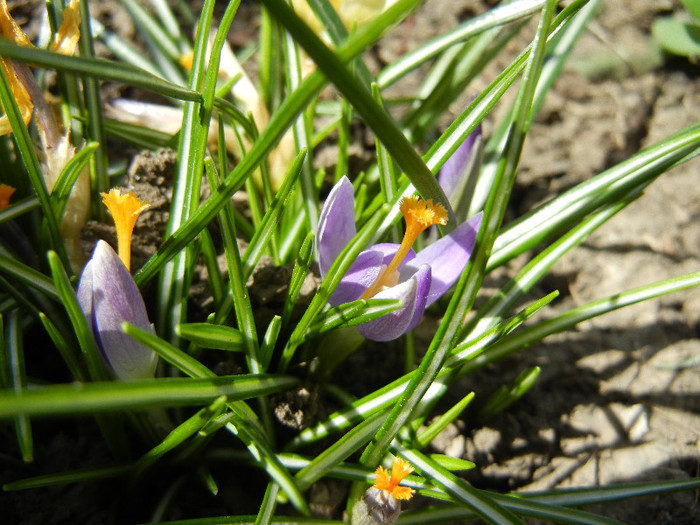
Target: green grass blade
<point>567,320</point>
<point>426,436</point>
<point>17,372</point>
<point>114,395</point>
<point>194,134</point>
<point>88,346</point>
<point>28,276</point>
<point>500,15</point>
<point>572,205</point>
<point>361,99</point>
<point>94,130</point>
<point>480,502</point>
<point>212,336</point>
<point>264,232</point>
<point>98,68</point>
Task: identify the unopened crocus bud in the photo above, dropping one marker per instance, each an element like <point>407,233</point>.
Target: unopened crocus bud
<point>109,297</point>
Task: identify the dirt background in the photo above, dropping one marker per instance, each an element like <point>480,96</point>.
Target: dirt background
<point>618,399</point>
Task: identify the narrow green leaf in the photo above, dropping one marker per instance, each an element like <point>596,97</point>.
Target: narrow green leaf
<point>480,502</point>
<point>89,349</point>
<point>98,68</point>
<point>504,397</point>
<point>269,222</point>
<point>212,336</point>
<point>114,395</point>
<point>361,99</point>
<point>13,343</point>
<point>426,436</point>
<point>500,15</point>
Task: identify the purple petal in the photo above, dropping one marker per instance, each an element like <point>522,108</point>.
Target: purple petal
<point>453,169</point>
<point>116,299</point>
<point>447,257</point>
<point>364,271</point>
<point>336,225</point>
<point>360,276</point>
<point>398,322</point>
<point>389,249</point>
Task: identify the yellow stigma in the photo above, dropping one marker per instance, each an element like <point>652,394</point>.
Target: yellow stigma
<point>5,194</point>
<point>419,214</point>
<point>125,208</point>
<point>399,470</point>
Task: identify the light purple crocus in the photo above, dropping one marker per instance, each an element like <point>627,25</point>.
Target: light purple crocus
<point>452,173</point>
<point>421,278</point>
<point>108,297</point>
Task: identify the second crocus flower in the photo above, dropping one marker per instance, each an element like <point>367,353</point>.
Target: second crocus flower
<point>108,295</point>
<point>389,270</point>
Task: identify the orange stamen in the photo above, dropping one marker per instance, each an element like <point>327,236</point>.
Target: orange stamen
<point>5,194</point>
<point>419,214</point>
<point>125,209</point>
<point>399,470</point>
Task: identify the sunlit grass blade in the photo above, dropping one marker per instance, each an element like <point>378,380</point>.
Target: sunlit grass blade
<point>216,281</point>
<point>237,280</point>
<point>495,17</point>
<point>173,355</point>
<point>452,513</point>
<point>388,394</point>
<point>571,318</point>
<point>182,432</point>
<point>28,276</point>
<point>98,397</point>
<point>270,221</point>
<point>339,451</point>
<point>426,436</point>
<point>533,271</point>
<point>301,266</point>
<point>102,69</point>
<point>504,396</point>
<point>572,205</point>
<point>94,130</point>
<point>479,502</point>
<point>194,134</point>
<point>158,40</point>
<point>122,49</point>
<point>68,176</point>
<point>361,99</point>
<point>352,314</point>
<point>575,497</point>
<point>212,336</point>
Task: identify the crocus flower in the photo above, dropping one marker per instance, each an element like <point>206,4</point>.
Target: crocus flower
<point>381,503</point>
<point>451,174</point>
<point>108,296</point>
<point>389,270</point>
